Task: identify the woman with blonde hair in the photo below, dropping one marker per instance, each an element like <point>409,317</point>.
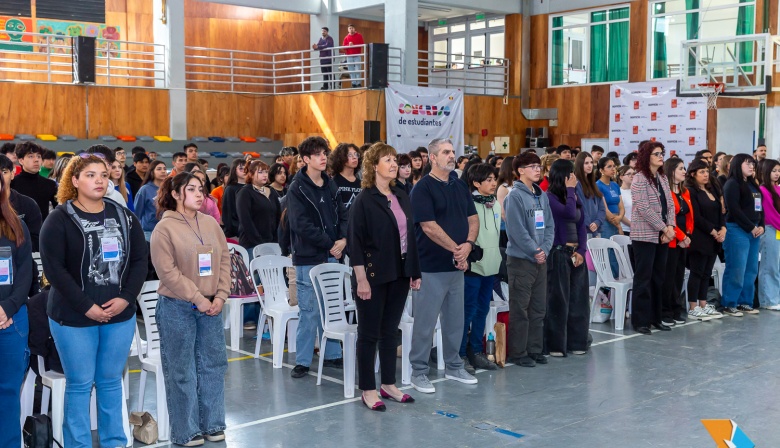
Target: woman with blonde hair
<point>383,253</point>
<point>117,175</point>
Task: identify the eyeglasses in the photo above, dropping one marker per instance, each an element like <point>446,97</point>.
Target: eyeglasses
<point>86,155</point>
<point>629,174</point>
<point>658,154</point>
<point>353,155</point>
<point>532,167</point>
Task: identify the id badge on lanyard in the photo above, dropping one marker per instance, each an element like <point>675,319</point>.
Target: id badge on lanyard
<point>205,267</point>
<point>6,266</point>
<point>757,202</point>
<point>109,247</point>
<point>539,219</point>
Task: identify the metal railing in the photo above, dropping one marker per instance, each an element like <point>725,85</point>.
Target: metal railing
<point>37,57</point>
<point>475,75</point>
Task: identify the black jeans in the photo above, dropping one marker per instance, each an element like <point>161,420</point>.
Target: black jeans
<point>675,276</point>
<point>527,306</point>
<point>566,323</point>
<point>326,73</point>
<point>699,281</point>
<point>649,276</point>
<point>378,320</point>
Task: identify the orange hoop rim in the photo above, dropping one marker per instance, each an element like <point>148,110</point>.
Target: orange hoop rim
<point>719,87</point>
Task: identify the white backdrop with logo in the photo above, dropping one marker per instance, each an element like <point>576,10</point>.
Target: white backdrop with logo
<point>417,115</point>
<point>653,111</point>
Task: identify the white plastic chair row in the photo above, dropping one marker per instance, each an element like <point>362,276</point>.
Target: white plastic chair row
<point>497,305</point>
<point>599,252</point>
<point>234,316</point>
<point>266,249</point>
<point>283,317</point>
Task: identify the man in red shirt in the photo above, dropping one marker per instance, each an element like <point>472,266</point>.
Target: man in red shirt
<point>354,55</point>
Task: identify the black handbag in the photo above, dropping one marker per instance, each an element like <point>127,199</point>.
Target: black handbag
<point>37,432</point>
<point>476,254</point>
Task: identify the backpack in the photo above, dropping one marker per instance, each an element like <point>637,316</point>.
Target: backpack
<point>241,284</point>
<point>37,432</point>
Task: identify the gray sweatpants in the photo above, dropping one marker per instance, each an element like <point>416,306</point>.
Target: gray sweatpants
<point>440,292</point>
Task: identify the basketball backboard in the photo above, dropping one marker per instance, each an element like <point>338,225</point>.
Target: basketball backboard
<point>743,64</point>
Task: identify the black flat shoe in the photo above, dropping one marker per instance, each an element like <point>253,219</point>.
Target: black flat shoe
<point>643,330</point>
<point>662,327</point>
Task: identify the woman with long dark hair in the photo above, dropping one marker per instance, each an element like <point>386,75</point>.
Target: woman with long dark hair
<point>343,165</point>
<point>234,184</point>
<point>405,172</point>
<point>95,257</point>
<point>190,255</point>
<point>672,311</point>
<point>709,231</point>
<point>145,200</point>
<point>277,179</point>
<point>566,322</point>
<point>768,272</point>
<point>589,194</point>
<point>745,224</point>
<point>652,228</point>
<point>15,280</point>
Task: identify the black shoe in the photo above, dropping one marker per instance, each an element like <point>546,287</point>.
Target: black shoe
<point>538,357</point>
<point>216,437</point>
<point>643,330</point>
<point>324,88</point>
<point>467,365</point>
<point>480,361</point>
<point>523,361</point>
<point>590,340</point>
<point>662,327</point>
<point>668,321</point>
<point>337,363</point>
<point>681,318</point>
<point>299,371</point>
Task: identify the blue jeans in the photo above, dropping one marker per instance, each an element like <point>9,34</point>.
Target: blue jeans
<point>309,324</point>
<point>353,63</point>
<point>15,357</point>
<point>739,277</point>
<point>194,361</point>
<point>768,272</point>
<point>478,292</point>
<point>93,355</point>
<point>607,230</point>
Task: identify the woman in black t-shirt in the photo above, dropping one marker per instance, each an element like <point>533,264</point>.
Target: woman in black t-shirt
<point>343,163</point>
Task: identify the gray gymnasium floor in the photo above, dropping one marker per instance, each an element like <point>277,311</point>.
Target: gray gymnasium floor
<point>629,391</point>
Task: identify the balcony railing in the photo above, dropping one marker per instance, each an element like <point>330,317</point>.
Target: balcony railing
<point>475,75</point>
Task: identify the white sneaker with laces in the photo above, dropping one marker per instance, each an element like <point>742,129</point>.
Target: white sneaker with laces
<point>773,307</point>
<point>712,312</point>
<point>697,313</point>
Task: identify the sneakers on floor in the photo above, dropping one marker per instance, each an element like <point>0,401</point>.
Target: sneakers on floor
<point>710,310</point>
<point>538,357</point>
<point>668,321</point>
<point>522,361</point>
<point>422,384</point>
<point>250,326</point>
<point>697,313</point>
<point>216,437</point>
<point>680,319</point>
<point>731,311</point>
<point>337,363</point>
<point>467,365</point>
<point>747,309</point>
<point>772,307</point>
<point>196,441</point>
<point>299,371</point>
<point>460,376</point>
<point>480,361</point>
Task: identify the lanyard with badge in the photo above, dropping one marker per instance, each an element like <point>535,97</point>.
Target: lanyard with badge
<point>6,266</point>
<point>538,215</point>
<point>109,241</point>
<point>757,206</point>
<point>204,251</point>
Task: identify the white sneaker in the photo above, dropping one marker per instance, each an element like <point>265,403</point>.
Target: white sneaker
<point>773,307</point>
<point>697,313</point>
<point>712,312</point>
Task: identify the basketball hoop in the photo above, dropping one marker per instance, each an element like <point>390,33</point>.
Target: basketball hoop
<point>711,90</point>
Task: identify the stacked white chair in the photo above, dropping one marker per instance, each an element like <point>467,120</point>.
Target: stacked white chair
<point>407,326</point>
<point>624,242</point>
<point>28,395</point>
<point>266,249</point>
<point>235,305</point>
<point>497,305</point>
<point>151,359</point>
<point>284,318</point>
<point>599,252</point>
<point>328,281</point>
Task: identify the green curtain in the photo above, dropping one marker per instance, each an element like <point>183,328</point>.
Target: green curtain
<point>692,31</point>
<point>598,48</point>
<point>617,61</point>
<point>557,53</point>
<point>660,69</point>
<point>745,26</point>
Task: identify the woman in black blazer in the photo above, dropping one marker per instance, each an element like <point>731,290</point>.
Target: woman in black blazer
<point>383,253</point>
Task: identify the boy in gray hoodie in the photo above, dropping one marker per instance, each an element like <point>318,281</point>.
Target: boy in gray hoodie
<point>530,229</point>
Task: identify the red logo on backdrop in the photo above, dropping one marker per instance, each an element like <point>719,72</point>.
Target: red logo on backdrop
<point>673,129</point>
<point>691,141</point>
<point>617,141</point>
<point>655,91</point>
<point>652,139</point>
<point>674,103</point>
<point>636,105</point>
<point>636,129</point>
<point>617,118</point>
<point>617,93</point>
<point>673,153</point>
<point>653,116</point>
<point>693,115</point>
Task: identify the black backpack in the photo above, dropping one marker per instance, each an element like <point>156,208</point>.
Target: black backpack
<point>37,432</point>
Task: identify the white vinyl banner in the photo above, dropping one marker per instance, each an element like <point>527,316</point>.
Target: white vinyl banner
<point>652,111</point>
<point>417,115</point>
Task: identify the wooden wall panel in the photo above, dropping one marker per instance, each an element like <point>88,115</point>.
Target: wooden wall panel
<point>337,116</point>
<point>58,109</point>
<point>513,50</point>
<point>539,54</point>
<point>229,115</point>
<point>123,111</point>
<point>637,57</point>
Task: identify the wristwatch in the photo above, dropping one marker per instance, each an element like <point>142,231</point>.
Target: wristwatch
<point>473,244</point>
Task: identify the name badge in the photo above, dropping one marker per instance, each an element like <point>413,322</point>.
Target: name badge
<point>539,219</point>
<point>757,202</point>
<point>5,271</point>
<point>204,265</point>
<point>110,248</point>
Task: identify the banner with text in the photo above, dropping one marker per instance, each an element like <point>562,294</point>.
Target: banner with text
<point>652,111</point>
<point>417,115</point>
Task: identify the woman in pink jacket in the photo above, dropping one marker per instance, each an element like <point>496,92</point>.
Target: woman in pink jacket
<point>652,228</point>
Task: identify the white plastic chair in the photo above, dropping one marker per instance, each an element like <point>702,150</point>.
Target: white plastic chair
<point>28,395</point>
<point>235,306</point>
<point>151,359</point>
<point>54,384</point>
<point>599,252</point>
<point>266,249</point>
<point>284,318</point>
<point>328,282</point>
<point>624,242</point>
<point>407,326</point>
<point>497,305</point>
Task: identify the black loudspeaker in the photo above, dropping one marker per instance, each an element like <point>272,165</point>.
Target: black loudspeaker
<point>370,131</point>
<point>83,60</point>
<point>377,65</point>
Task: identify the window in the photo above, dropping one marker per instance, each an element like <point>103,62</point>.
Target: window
<point>589,46</point>
<point>672,22</point>
<point>466,43</point>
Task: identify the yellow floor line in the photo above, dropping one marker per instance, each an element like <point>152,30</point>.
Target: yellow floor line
<point>134,371</point>
<point>240,359</point>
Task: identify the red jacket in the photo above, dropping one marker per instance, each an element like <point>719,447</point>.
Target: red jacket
<point>356,40</point>
<point>680,234</point>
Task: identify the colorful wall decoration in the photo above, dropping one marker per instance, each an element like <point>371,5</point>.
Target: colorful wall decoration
<point>10,33</point>
<point>107,35</point>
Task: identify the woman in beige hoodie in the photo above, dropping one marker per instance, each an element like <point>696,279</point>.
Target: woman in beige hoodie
<point>190,255</point>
